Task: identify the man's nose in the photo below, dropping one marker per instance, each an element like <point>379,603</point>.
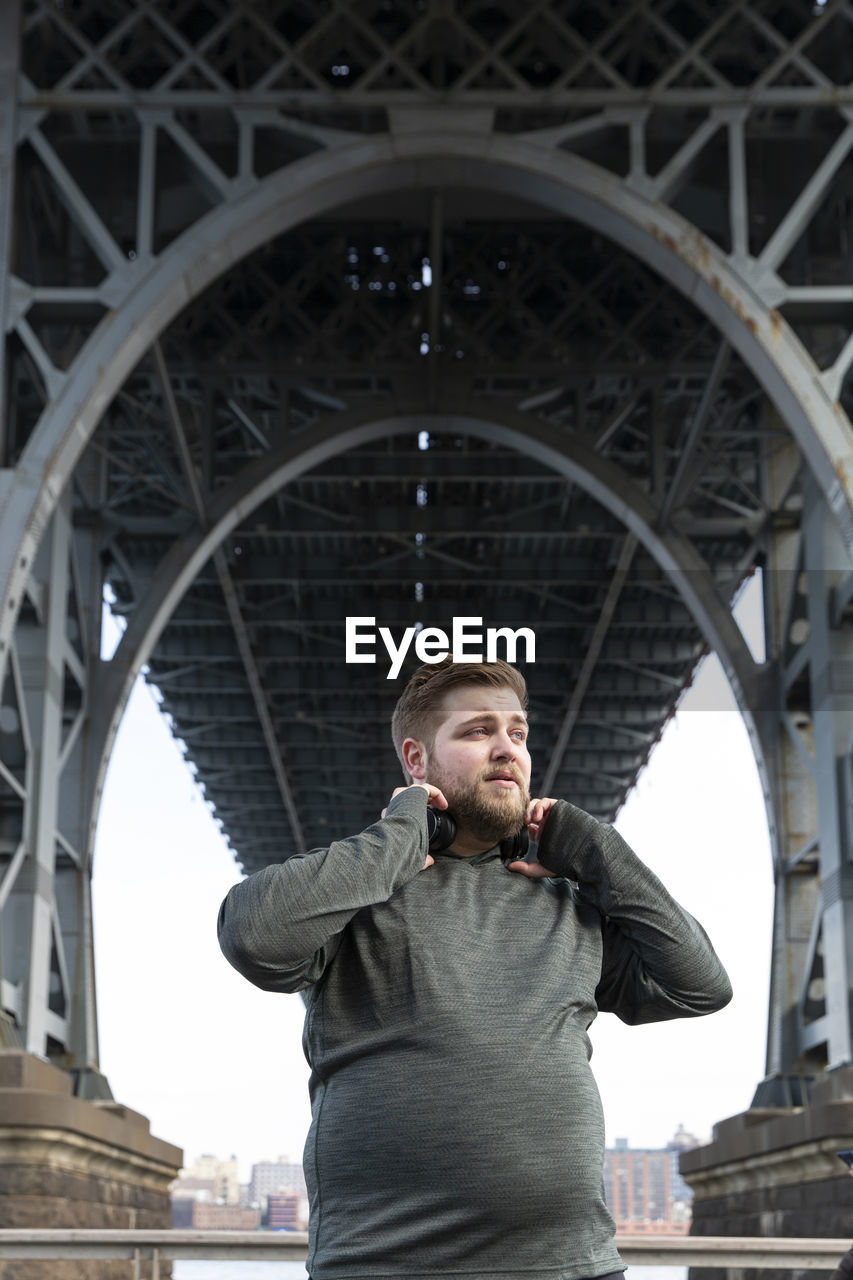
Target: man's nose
<point>504,747</point>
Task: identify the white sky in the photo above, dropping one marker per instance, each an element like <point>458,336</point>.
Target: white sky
<point>217,1065</point>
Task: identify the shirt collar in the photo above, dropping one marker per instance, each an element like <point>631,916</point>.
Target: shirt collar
<point>485,856</point>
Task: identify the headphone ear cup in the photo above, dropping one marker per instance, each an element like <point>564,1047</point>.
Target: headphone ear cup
<point>515,848</point>
<point>441,830</point>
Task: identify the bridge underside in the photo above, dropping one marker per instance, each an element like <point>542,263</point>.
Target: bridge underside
<point>534,314</point>
<point>432,523</point>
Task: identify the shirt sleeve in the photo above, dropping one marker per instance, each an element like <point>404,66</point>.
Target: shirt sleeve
<point>281,926</point>
<point>658,962</point>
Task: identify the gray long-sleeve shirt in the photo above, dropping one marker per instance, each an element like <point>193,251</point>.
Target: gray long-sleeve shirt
<point>457,1128</point>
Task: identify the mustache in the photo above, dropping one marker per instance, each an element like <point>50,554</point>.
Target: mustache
<point>502,771</point>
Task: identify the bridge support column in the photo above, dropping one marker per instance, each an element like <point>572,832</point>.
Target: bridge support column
<point>808,586</point>
<point>68,1162</point>
<point>773,1170</point>
<point>48,719</point>
<point>70,1156</point>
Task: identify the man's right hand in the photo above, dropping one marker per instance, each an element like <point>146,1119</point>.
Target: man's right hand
<point>435,798</point>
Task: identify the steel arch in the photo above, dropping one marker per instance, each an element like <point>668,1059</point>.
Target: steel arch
<point>159,289</point>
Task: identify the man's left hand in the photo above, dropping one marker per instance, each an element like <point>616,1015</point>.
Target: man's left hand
<point>537,812</point>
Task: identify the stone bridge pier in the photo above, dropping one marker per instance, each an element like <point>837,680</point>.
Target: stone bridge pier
<point>773,1171</point>
<point>71,1162</point>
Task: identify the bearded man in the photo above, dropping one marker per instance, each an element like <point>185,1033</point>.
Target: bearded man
<point>457,1129</point>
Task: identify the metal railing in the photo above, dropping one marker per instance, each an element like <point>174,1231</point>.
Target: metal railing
<point>793,1254</point>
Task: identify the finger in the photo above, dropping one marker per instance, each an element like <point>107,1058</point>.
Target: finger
<point>382,814</point>
<point>539,871</point>
<point>533,870</point>
<point>430,862</point>
<point>436,797</point>
<point>538,811</point>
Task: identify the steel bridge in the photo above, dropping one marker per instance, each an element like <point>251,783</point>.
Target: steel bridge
<point>540,312</point>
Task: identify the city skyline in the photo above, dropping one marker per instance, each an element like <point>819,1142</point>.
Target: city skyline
<point>643,1188</point>
<point>193,1159</point>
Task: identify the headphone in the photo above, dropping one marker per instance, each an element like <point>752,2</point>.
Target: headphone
<point>441,832</point>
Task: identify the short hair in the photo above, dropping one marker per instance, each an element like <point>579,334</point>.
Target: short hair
<point>418,710</point>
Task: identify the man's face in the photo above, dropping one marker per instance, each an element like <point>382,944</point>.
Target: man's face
<point>481,762</point>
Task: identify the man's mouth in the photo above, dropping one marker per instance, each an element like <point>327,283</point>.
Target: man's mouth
<point>503,778</point>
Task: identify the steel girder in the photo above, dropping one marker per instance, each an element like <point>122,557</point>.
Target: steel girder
<point>676,556</point>
<point>421,156</point>
<point>675,105</point>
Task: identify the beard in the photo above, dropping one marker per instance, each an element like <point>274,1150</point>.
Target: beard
<point>488,813</point>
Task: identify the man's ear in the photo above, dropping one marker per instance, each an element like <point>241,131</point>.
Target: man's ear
<point>415,758</point>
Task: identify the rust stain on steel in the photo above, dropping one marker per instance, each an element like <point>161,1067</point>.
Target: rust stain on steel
<point>668,241</point>
<point>703,255</point>
<point>736,305</point>
<point>698,256</point>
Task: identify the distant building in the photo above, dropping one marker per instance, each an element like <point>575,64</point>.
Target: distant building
<point>270,1177</point>
<point>209,1181</point>
<point>207,1195</point>
<point>682,1194</point>
<point>182,1212</point>
<point>644,1190</point>
<point>285,1212</point>
<point>184,1193</point>
<point>222,1173</point>
<point>224,1217</point>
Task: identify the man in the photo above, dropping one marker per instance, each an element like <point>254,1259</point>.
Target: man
<point>457,1129</point>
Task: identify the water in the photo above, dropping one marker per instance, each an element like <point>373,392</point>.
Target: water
<point>296,1271</point>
